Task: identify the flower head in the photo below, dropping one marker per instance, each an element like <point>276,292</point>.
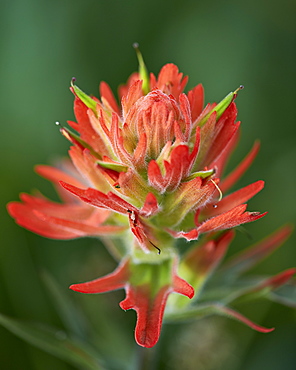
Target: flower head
<point>149,171</point>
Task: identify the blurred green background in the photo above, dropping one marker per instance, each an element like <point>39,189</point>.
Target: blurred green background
<point>221,44</point>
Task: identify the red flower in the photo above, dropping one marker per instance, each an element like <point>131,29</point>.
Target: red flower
<point>153,165</point>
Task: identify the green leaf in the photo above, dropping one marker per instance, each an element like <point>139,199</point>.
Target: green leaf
<point>73,320</point>
<point>118,167</point>
<point>241,290</point>
<point>144,75</point>
<point>216,308</point>
<point>202,174</point>
<point>249,257</point>
<point>285,295</point>
<point>75,139</point>
<point>87,100</point>
<point>221,107</point>
<point>264,287</point>
<point>197,312</point>
<point>215,292</point>
<point>55,342</point>
<point>248,294</point>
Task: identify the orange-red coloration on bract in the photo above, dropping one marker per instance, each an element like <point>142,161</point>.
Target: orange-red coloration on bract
<point>151,165</point>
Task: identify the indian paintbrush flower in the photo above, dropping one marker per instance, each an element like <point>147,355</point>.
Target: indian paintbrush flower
<point>145,173</point>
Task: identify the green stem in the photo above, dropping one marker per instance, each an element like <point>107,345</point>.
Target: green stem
<point>144,358</point>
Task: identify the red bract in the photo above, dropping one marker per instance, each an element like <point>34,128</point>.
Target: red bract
<point>69,220</point>
<point>152,166</point>
<point>147,299</point>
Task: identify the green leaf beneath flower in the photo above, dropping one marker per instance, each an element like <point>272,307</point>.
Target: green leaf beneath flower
<point>245,260</point>
<point>215,308</point>
<point>55,342</point>
<point>285,295</point>
<point>68,312</point>
<point>198,312</point>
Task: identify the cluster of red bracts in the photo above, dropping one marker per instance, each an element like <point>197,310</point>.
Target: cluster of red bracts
<point>151,166</point>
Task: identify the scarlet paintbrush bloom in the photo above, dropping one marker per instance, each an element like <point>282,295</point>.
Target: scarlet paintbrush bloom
<point>150,170</point>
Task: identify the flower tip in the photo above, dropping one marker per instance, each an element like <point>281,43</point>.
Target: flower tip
<point>265,330</point>
<point>182,287</point>
<point>72,83</point>
<point>11,206</point>
<point>238,89</point>
<point>81,288</point>
<point>190,292</point>
<point>144,76</point>
<point>74,287</point>
<point>145,342</point>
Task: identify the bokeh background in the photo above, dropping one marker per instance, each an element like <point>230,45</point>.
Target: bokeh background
<point>220,43</point>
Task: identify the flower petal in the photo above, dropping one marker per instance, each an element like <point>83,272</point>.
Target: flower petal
<point>235,199</point>
<point>203,259</point>
<point>234,217</point>
<point>230,219</point>
<point>182,287</point>
<point>131,96</point>
<point>116,280</point>
<point>149,312</point>
<point>85,129</point>
<point>170,80</point>
<point>99,199</point>
<point>150,206</point>
<point>196,100</point>
<point>246,259</point>
<point>264,288</point>
<point>55,175</point>
<point>226,311</point>
<point>235,175</point>
<point>278,280</point>
<point>60,221</point>
<point>123,89</point>
<point>79,229</point>
<point>155,177</point>
<point>24,216</point>
<point>224,130</point>
<point>108,97</point>
<point>149,299</point>
<point>86,164</point>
